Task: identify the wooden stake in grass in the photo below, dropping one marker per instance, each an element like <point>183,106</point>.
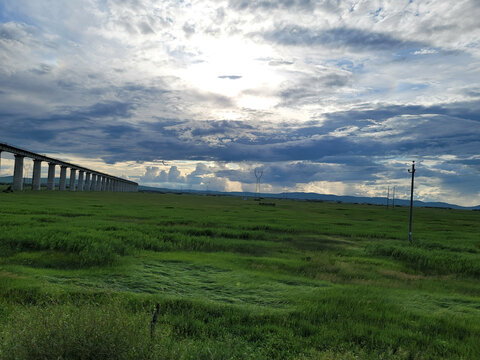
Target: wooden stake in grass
<point>154,320</point>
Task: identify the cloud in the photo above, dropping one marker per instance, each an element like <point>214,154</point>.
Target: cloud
<point>325,92</point>
<point>231,77</point>
<point>278,62</point>
<point>425,52</point>
<point>145,28</point>
<point>188,29</point>
<point>42,69</point>
<point>151,174</point>
<point>174,175</point>
<point>306,88</point>
<point>291,173</point>
<point>383,131</point>
<point>354,39</point>
<point>254,5</point>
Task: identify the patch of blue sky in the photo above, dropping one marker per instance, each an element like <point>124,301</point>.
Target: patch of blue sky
<point>6,16</point>
<point>375,90</point>
<point>407,53</point>
<point>377,14</point>
<point>419,52</point>
<point>408,86</point>
<point>349,65</point>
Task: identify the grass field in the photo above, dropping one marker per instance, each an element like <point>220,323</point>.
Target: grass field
<point>80,274</point>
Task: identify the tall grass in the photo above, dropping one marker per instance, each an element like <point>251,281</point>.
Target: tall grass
<point>431,261</point>
<point>368,325</point>
<point>80,274</point>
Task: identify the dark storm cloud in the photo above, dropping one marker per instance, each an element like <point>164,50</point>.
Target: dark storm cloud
<point>345,137</point>
<point>291,173</point>
<point>79,129</point>
<point>461,110</point>
<point>354,39</point>
<point>113,109</point>
<point>310,89</point>
<point>341,138</point>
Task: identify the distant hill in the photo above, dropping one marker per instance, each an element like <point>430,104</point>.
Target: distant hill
<point>317,197</point>
<point>9,180</point>
<point>289,195</point>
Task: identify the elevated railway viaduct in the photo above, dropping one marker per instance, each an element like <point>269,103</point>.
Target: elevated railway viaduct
<point>88,180</point>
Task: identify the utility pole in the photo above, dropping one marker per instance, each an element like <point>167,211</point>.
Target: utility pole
<point>412,171</point>
<point>393,198</point>
<point>258,175</point>
<point>388,195</point>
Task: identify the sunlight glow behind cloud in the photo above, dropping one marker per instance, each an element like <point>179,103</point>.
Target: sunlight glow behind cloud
<point>314,91</point>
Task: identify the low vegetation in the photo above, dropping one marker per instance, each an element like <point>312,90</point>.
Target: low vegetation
<point>80,275</point>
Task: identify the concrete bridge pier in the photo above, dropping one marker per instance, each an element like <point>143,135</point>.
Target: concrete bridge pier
<point>37,174</point>
<point>63,178</point>
<point>99,183</point>
<point>87,182</point>
<point>73,173</point>
<point>18,173</point>
<point>80,180</point>
<point>51,176</point>
<point>93,185</point>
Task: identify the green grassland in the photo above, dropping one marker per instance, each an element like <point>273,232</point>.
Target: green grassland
<point>80,274</point>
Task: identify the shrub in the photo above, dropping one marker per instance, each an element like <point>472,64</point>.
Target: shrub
<point>69,332</point>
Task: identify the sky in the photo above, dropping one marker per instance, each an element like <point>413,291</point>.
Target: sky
<point>333,97</point>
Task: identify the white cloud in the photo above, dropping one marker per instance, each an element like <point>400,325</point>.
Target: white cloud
<point>95,76</point>
<point>426,52</point>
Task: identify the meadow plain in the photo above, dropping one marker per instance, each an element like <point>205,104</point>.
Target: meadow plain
<point>80,275</point>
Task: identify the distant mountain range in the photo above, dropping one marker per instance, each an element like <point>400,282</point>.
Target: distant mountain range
<point>289,195</point>
<point>317,197</point>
